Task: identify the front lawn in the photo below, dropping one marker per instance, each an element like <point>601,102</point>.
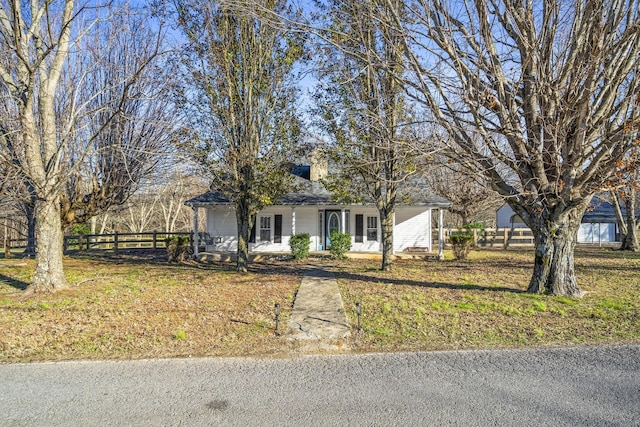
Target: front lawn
<point>128,307</point>
<point>481,303</point>
<point>141,308</point>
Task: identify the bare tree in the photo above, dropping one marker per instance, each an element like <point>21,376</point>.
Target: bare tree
<point>625,189</point>
<point>626,194</point>
<point>541,89</point>
<point>241,100</point>
<point>363,106</point>
<point>470,194</point>
<point>40,44</point>
<point>177,188</point>
<point>129,128</point>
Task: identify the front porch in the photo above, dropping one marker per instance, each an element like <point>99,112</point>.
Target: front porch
<point>229,256</point>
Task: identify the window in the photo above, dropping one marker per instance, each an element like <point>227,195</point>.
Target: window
<point>359,228</point>
<point>372,228</point>
<point>277,229</point>
<point>265,228</point>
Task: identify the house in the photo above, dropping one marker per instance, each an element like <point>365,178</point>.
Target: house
<point>507,218</point>
<point>599,223</point>
<point>310,208</point>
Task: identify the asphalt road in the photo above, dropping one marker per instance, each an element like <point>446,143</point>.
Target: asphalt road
<point>577,386</point>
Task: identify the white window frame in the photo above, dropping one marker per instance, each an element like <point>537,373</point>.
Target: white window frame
<point>372,226</point>
<point>268,219</point>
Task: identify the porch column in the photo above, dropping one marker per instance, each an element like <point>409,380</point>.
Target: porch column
<point>293,221</point>
<point>342,220</point>
<point>195,231</point>
<point>441,235</point>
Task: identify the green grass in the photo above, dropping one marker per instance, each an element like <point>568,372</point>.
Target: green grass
<point>136,308</point>
<point>430,305</point>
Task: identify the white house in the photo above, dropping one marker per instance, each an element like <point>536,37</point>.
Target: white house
<point>599,223</point>
<point>507,218</point>
<point>310,209</point>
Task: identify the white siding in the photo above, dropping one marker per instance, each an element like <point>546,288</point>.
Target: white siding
<point>412,229</point>
<point>270,246</point>
<point>504,217</point>
<point>222,226</point>
<point>366,245</point>
<point>307,222</point>
<point>596,233</point>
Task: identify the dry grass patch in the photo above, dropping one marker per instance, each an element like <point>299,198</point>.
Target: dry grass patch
<point>481,303</point>
<point>139,308</point>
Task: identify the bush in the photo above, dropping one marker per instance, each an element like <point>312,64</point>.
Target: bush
<point>340,245</point>
<point>462,243</point>
<point>300,244</point>
<point>178,248</point>
<point>81,229</point>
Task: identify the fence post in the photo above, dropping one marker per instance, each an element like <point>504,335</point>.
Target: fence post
<point>506,238</point>
<point>80,243</point>
<point>155,240</point>
<point>115,241</point>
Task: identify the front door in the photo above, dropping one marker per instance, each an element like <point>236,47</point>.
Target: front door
<point>332,223</point>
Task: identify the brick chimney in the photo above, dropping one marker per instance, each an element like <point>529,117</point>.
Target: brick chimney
<point>318,166</point>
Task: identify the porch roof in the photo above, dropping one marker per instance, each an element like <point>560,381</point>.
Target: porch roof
<point>313,193</point>
<point>318,196</point>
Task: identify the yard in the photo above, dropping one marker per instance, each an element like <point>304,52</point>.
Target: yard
<point>137,307</point>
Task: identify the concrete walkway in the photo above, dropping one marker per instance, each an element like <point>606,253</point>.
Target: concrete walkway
<point>318,312</point>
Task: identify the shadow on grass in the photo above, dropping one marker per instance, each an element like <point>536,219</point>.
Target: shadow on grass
<point>159,258</point>
<point>18,284</point>
<point>425,284</point>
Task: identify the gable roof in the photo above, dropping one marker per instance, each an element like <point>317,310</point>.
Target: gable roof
<point>598,211</point>
<point>313,193</point>
<point>602,211</point>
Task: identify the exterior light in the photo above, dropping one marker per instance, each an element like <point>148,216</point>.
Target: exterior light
<point>277,313</point>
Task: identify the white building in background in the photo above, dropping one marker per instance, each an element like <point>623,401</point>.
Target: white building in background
<point>599,223</point>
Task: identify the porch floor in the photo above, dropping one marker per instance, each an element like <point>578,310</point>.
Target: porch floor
<point>262,256</point>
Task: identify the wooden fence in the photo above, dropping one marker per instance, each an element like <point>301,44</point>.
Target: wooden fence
<point>502,238</point>
<point>115,241</point>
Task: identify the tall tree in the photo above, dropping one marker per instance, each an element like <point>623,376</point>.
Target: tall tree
<point>129,127</point>
<point>542,90</point>
<point>626,189</point>
<point>241,100</point>
<point>35,43</point>
<point>363,106</point>
<point>40,45</point>
<point>625,194</point>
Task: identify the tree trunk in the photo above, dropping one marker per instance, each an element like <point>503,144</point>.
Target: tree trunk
<point>29,210</point>
<point>243,218</point>
<point>386,224</point>
<point>49,273</point>
<point>555,240</point>
<point>630,238</point>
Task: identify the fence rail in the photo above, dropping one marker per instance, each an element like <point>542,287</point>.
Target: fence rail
<point>503,238</point>
<point>114,241</point>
